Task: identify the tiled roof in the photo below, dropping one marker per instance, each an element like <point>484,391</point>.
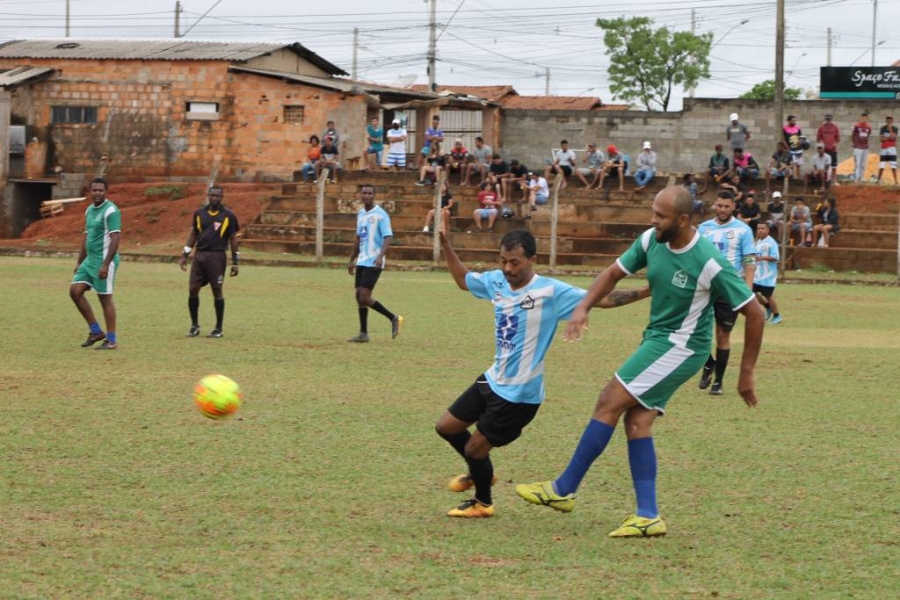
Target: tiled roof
<point>491,93</point>
<point>552,103</point>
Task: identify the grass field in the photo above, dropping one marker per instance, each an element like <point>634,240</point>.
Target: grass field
<point>330,482</point>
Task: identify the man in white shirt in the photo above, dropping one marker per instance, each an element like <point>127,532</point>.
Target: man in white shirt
<point>564,161</point>
<point>646,167</point>
<point>481,160</point>
<point>396,136</point>
<point>538,192</point>
<point>821,170</point>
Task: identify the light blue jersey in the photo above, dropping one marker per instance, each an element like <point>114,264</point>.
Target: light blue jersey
<point>734,240</point>
<point>372,227</point>
<point>526,320</point>
<point>766,270</point>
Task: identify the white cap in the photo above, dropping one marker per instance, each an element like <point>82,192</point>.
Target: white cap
<point>395,122</point>
<point>734,116</point>
<point>646,145</point>
<point>776,195</point>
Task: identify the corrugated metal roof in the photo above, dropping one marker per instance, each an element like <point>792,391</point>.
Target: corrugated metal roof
<point>492,93</point>
<point>175,49</point>
<point>19,75</point>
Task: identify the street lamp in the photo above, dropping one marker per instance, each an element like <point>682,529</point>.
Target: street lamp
<point>724,35</point>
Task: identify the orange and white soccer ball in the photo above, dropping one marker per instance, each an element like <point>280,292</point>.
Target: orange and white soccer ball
<point>217,396</point>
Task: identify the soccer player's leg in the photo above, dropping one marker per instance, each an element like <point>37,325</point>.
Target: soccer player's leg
<point>84,280</point>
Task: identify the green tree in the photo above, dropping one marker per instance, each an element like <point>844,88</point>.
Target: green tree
<point>646,63</point>
<point>766,91</point>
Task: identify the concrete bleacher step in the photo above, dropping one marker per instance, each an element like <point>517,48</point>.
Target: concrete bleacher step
<point>863,260</point>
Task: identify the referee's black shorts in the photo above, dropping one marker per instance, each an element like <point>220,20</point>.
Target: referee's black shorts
<point>499,421</point>
<point>208,268</point>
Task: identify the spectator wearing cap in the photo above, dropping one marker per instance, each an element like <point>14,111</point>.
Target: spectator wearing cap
<point>564,163</point>
<point>538,191</point>
<point>646,166</point>
<point>329,160</point>
<point>794,140</point>
<point>375,139</point>
<point>718,166</point>
<point>458,159</point>
<point>737,133</point>
<point>593,159</point>
<point>480,161</point>
<point>434,136</point>
<point>613,167</point>
<point>829,134</point>
<point>888,158</point>
<point>822,170</point>
<point>331,131</point>
<point>517,180</point>
<point>860,136</point>
<point>749,211</point>
<point>396,136</point>
<point>776,210</point>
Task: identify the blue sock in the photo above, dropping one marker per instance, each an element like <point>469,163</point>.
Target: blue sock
<point>111,337</point>
<point>642,459</point>
<point>95,327</point>
<point>592,444</point>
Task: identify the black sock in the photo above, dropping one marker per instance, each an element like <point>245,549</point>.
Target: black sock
<point>721,363</point>
<point>220,312</point>
<point>457,440</point>
<point>775,315</point>
<point>363,319</point>
<point>194,309</point>
<point>377,307</point>
<point>482,472</point>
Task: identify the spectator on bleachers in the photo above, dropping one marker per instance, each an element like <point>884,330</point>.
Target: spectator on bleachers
<point>766,275</point>
<point>396,136</point>
<point>749,211</point>
<point>829,223</point>
<point>690,184</point>
<point>776,210</point>
<point>821,173</point>
<point>737,133</point>
<point>888,158</point>
<point>517,180</point>
<point>538,192</point>
<point>375,140</point>
<point>458,160</point>
<point>646,166</point>
<point>801,221</point>
<point>829,134</point>
<point>488,207</point>
<point>718,166</point>
<point>593,159</point>
<point>861,133</point>
<point>433,135</point>
<point>446,210</point>
<point>313,155</point>
<point>498,170</point>
<point>329,160</point>
<point>780,165</point>
<point>430,172</point>
<point>564,162</point>
<point>737,189</point>
<point>331,132</point>
<point>613,167</point>
<point>479,162</point>
<point>794,140</point>
<point>743,165</point>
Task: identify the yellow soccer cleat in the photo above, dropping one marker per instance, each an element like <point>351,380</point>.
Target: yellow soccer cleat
<point>635,526</point>
<point>396,326</point>
<point>542,494</point>
<point>472,509</point>
<point>464,482</point>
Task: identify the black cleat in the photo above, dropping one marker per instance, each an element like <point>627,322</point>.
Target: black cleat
<point>705,378</point>
<point>716,389</point>
<point>93,338</point>
<point>107,345</point>
<point>215,333</point>
<point>194,332</point>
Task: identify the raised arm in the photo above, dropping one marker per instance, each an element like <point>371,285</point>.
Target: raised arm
<point>457,269</point>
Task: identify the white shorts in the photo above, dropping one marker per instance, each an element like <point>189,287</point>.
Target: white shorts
<point>396,159</point>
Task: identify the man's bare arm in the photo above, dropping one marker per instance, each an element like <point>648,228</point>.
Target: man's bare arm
<point>617,298</point>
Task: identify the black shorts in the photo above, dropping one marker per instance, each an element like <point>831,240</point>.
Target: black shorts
<point>499,421</point>
<point>367,277</point>
<point>566,169</point>
<point>208,268</point>
<point>765,290</point>
<point>725,317</point>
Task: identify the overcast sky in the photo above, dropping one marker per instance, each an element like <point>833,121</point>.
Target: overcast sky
<point>495,42</point>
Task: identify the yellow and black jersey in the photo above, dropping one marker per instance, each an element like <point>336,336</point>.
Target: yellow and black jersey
<point>214,229</point>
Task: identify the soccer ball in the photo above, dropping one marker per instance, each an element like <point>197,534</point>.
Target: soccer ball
<point>217,396</point>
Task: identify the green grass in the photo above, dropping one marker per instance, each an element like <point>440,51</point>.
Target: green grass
<point>330,482</point>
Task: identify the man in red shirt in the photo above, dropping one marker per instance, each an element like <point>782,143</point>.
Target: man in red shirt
<point>888,135</point>
<point>861,133</point>
<point>829,135</point>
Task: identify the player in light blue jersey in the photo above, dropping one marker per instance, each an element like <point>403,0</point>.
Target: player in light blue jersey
<point>686,273</point>
<point>766,275</point>
<point>373,238</point>
<point>503,400</point>
<point>734,239</point>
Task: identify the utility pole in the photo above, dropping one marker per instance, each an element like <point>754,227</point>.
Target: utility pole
<point>177,19</point>
<point>828,53</point>
<point>779,103</point>
<point>68,11</point>
<point>874,19</point>
<point>693,30</point>
<point>546,81</point>
<point>355,50</point>
<point>432,46</point>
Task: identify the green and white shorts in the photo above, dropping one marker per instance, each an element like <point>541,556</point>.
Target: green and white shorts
<point>656,370</point>
<point>90,275</point>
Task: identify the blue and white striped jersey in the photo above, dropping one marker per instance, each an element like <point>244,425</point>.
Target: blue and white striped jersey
<point>766,270</point>
<point>734,240</point>
<point>372,227</point>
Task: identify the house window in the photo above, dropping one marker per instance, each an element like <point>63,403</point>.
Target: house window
<point>202,111</point>
<point>73,114</point>
<point>293,114</point>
